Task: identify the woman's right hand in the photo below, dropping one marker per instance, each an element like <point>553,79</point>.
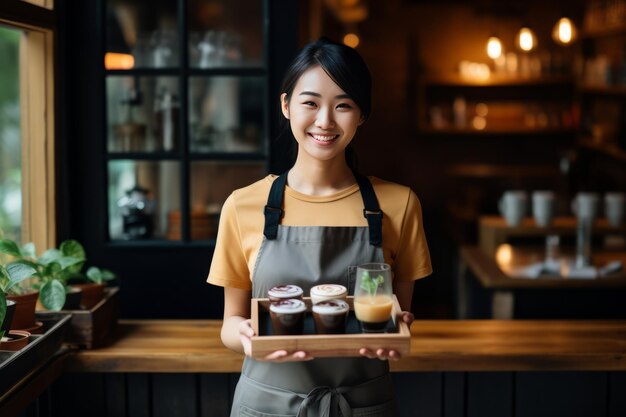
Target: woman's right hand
<point>245,334</point>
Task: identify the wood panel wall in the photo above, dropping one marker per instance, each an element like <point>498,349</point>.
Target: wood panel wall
<point>423,394</point>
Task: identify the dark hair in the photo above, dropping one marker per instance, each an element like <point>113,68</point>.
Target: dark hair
<point>344,66</point>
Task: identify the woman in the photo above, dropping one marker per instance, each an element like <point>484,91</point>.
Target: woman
<point>307,227</point>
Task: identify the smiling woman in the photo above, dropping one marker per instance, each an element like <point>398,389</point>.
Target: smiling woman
<point>10,143</point>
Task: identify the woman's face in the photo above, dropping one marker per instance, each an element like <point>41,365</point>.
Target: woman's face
<point>323,118</point>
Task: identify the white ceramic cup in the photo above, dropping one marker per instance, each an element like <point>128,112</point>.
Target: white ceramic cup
<point>512,206</point>
<point>614,203</point>
<point>543,207</point>
<point>585,206</point>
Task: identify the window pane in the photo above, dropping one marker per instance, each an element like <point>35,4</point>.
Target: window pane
<point>226,114</point>
<point>142,114</point>
<point>141,34</point>
<point>211,184</point>
<point>225,33</point>
<point>141,196</point>
<point>10,142</point>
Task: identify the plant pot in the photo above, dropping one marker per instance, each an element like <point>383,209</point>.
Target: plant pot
<point>92,294</point>
<point>17,339</point>
<point>73,299</point>
<point>24,316</point>
<point>8,317</point>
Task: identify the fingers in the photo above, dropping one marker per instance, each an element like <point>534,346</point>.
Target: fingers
<point>284,356</point>
<point>245,329</point>
<point>408,317</point>
<point>381,353</point>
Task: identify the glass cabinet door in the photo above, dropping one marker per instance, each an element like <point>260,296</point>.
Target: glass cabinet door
<point>184,127</point>
<point>225,33</point>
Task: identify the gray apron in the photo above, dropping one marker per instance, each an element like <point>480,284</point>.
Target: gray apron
<point>308,256</point>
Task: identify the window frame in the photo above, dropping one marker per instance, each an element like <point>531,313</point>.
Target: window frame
<point>38,116</point>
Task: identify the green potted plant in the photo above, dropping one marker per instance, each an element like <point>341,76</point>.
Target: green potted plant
<point>10,340</point>
<point>14,271</point>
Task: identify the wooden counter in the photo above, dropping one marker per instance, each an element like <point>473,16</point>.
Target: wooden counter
<point>443,345</point>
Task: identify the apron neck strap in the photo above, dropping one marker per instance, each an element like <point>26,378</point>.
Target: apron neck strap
<point>273,209</point>
<point>372,211</point>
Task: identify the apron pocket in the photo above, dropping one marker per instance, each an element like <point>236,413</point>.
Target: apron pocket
<point>386,409</point>
<point>249,412</point>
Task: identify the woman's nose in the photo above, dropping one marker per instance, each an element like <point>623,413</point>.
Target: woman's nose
<point>324,119</point>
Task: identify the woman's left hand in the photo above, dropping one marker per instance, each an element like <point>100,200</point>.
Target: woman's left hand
<point>388,354</point>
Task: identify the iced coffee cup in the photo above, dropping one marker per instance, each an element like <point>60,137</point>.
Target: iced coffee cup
<point>330,316</point>
<point>328,292</point>
<point>373,297</point>
<point>285,292</point>
<point>287,316</point>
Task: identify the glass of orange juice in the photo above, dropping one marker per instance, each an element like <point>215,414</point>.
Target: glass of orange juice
<point>373,296</point>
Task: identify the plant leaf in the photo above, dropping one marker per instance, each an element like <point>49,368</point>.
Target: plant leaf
<point>3,309</point>
<point>51,255</point>
<point>28,250</point>
<point>68,261</point>
<point>18,272</point>
<point>10,248</point>
<point>108,275</point>
<point>72,248</point>
<point>94,274</point>
<point>52,295</point>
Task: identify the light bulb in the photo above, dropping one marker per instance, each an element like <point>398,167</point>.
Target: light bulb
<point>564,31</point>
<point>526,39</point>
<point>352,40</point>
<point>494,47</point>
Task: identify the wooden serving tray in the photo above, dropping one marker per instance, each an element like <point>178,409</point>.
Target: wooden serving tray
<point>397,337</point>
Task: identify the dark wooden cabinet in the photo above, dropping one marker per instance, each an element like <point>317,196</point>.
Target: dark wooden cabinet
<point>188,128</point>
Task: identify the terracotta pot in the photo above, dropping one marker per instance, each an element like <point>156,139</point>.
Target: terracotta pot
<point>18,339</point>
<point>24,316</point>
<point>8,317</point>
<point>92,294</point>
<point>73,299</point>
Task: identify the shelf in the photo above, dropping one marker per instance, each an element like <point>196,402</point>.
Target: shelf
<point>196,156</point>
<point>143,156</point>
<point>160,243</point>
<point>520,131</point>
<point>155,72</point>
<point>495,80</point>
<point>615,91</point>
<point>604,32</point>
<point>610,150</point>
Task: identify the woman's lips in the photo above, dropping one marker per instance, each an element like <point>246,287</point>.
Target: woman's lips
<point>323,139</point>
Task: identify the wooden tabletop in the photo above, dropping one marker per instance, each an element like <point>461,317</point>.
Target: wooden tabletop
<point>493,273</point>
<point>436,345</point>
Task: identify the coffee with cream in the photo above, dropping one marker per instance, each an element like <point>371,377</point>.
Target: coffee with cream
<point>287,316</point>
<point>328,292</point>
<point>330,316</point>
<point>283,292</point>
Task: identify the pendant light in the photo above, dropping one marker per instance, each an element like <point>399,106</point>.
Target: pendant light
<point>564,32</point>
<point>494,47</point>
<point>526,39</point>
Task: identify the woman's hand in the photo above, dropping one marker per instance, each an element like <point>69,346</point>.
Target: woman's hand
<point>388,354</point>
<point>245,334</point>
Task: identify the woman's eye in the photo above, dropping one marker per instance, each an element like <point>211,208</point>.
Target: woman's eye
<point>344,106</point>
<point>309,103</point>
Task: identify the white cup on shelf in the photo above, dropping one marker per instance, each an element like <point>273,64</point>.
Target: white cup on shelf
<point>543,207</point>
<point>585,206</point>
<point>614,203</point>
<point>512,206</point>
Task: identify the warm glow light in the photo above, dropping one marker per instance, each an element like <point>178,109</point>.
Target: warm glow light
<point>504,254</point>
<point>526,39</point>
<point>494,47</point>
<point>564,31</point>
<point>115,61</point>
<point>352,40</point>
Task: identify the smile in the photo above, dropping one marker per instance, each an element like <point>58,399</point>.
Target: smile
<point>323,139</point>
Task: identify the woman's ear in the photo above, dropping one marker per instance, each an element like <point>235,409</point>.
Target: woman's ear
<point>361,120</point>
<point>284,105</point>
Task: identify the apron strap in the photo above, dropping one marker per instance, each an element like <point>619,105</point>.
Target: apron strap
<point>273,209</point>
<point>372,211</point>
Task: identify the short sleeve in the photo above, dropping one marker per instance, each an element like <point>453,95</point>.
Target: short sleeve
<point>229,267</point>
<point>412,259</point>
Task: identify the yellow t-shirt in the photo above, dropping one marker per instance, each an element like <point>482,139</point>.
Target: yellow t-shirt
<point>240,232</point>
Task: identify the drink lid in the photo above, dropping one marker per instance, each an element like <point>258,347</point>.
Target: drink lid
<point>331,307</point>
<point>289,306</point>
<point>285,291</point>
<point>329,290</point>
